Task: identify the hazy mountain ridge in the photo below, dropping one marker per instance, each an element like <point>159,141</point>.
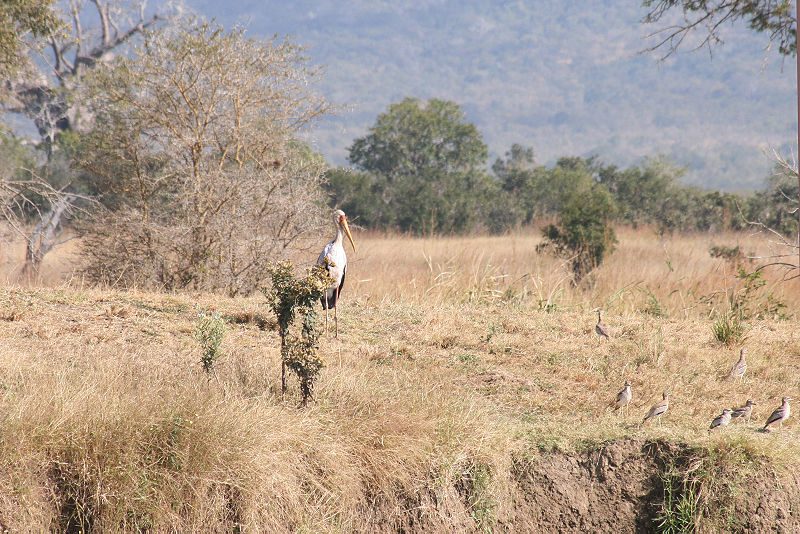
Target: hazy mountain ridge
<point>564,78</point>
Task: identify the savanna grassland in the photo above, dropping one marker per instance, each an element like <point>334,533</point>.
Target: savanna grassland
<point>467,391</point>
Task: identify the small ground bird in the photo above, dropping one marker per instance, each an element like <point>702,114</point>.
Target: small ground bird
<point>739,368</point>
<point>600,327</point>
<point>721,420</point>
<point>744,412</point>
<point>624,397</point>
<point>780,414</point>
<point>658,409</point>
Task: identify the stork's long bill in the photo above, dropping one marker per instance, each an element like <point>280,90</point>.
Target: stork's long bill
<point>347,231</point>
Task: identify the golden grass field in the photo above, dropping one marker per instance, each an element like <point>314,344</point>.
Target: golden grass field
<point>454,355</point>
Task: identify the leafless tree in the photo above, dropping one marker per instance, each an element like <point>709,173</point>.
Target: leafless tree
<point>784,251</point>
<point>20,200</point>
<point>195,141</point>
<point>51,60</point>
<point>44,90</point>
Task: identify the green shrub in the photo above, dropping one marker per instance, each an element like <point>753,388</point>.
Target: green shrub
<point>583,232</point>
<point>209,332</point>
<point>287,297</point>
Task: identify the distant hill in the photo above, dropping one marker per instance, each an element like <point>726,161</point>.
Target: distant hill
<point>563,77</point>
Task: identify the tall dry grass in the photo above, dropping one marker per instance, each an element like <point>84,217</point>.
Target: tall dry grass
<point>674,273</point>
<point>455,355</point>
<point>109,424</point>
<point>677,272</point>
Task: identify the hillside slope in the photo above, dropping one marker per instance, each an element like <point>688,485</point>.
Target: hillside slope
<point>563,77</point>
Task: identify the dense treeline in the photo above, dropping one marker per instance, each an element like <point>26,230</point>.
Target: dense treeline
<point>421,169</point>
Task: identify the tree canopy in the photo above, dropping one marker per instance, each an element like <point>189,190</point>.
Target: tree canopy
<point>56,61</point>
<point>425,161</point>
<point>21,20</point>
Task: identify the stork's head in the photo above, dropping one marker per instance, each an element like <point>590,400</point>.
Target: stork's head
<point>627,383</point>
<point>340,219</point>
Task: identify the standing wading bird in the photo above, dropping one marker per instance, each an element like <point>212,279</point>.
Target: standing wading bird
<point>780,414</point>
<point>721,420</point>
<point>623,399</point>
<point>336,263</point>
<point>658,409</point>
<point>744,412</point>
<point>739,368</point>
<point>600,327</point>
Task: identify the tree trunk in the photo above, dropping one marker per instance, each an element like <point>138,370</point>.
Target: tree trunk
<point>45,235</point>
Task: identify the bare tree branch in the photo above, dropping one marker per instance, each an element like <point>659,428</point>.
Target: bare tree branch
<point>42,96</point>
<point>707,17</point>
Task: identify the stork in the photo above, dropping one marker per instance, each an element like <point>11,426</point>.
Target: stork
<point>336,265</point>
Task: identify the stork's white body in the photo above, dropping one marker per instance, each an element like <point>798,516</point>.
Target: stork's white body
<point>337,265</point>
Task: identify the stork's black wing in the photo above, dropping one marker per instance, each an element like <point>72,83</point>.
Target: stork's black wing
<point>329,301</point>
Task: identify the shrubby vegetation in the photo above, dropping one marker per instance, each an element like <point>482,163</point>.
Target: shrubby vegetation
<point>194,143</point>
<point>583,233</point>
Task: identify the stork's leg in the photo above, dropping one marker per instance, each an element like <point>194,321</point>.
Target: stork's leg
<point>325,305</point>
<point>335,314</point>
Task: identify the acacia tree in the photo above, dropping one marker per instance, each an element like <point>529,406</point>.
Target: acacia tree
<point>426,161</point>
<point>195,147</point>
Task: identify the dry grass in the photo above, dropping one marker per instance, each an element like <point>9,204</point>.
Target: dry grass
<point>677,271</point>
<point>108,417</point>
<point>448,358</point>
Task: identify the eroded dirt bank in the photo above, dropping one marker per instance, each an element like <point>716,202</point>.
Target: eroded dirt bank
<point>620,487</point>
<point>616,487</point>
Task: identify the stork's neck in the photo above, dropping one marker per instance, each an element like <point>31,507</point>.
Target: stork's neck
<point>339,235</point>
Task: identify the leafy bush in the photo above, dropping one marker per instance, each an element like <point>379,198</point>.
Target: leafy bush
<point>209,332</point>
<point>287,297</point>
<point>583,232</point>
